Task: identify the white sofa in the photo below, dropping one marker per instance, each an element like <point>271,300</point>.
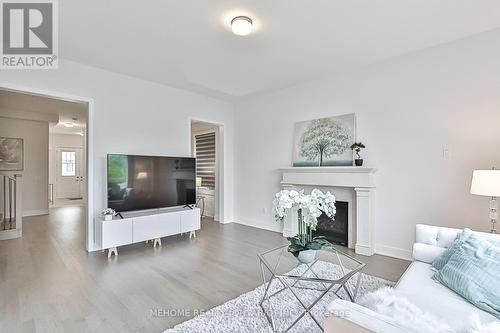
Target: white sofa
<point>417,286</point>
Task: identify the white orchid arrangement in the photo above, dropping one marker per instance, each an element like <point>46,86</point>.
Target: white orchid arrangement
<point>311,205</point>
<point>309,208</point>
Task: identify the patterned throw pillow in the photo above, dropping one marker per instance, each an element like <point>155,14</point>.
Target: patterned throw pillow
<point>473,272</point>
<point>440,261</point>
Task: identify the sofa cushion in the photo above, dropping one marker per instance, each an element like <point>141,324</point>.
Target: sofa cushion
<point>435,236</point>
<point>473,271</point>
<point>426,253</point>
<point>419,287</point>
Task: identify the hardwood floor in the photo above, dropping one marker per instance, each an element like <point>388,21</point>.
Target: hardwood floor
<point>49,283</point>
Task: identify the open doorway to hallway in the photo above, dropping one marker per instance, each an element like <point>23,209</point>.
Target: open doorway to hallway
<point>53,133</point>
<point>67,181</point>
<point>206,147</point>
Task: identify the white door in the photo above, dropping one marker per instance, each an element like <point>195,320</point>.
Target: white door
<point>69,173</point>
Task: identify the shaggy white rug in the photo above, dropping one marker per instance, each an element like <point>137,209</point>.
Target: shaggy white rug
<point>243,314</point>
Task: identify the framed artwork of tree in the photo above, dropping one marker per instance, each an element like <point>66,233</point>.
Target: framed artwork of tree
<point>324,141</point>
<point>11,154</point>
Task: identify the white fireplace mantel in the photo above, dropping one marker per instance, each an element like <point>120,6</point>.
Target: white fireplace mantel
<point>360,179</point>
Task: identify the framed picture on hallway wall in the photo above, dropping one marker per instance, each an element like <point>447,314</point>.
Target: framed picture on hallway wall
<point>11,154</point>
<point>324,141</point>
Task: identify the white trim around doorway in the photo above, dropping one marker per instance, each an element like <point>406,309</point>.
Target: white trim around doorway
<point>219,176</point>
<point>90,172</point>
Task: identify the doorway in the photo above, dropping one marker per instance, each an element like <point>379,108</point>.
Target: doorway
<point>67,159</point>
<point>54,135</point>
<point>207,148</point>
<point>69,169</point>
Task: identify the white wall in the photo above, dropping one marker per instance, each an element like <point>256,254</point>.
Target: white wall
<point>134,116</point>
<point>408,110</point>
<point>36,162</point>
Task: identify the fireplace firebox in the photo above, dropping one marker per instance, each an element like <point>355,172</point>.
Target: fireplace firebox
<point>335,231</point>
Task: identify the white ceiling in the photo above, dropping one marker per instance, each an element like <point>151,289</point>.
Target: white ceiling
<point>187,43</point>
<point>27,106</point>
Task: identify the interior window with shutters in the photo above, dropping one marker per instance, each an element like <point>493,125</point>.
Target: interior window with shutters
<point>205,159</point>
<point>68,163</point>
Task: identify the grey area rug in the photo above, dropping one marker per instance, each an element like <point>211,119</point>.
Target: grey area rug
<point>243,314</point>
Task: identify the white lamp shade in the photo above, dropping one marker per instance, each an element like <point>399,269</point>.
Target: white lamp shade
<point>486,182</point>
<point>198,181</point>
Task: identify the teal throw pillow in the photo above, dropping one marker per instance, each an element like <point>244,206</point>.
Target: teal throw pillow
<point>473,272</point>
<point>440,261</point>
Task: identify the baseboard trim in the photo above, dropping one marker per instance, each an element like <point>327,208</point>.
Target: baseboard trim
<point>10,234</point>
<point>35,212</point>
<point>394,252</point>
<point>364,250</point>
<point>250,223</point>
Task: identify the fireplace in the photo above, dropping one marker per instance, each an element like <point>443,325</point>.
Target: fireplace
<point>356,185</point>
<point>336,231</point>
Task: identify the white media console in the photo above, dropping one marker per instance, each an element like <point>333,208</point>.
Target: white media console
<point>145,226</point>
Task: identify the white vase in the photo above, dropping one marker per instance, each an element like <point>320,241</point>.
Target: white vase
<point>306,256</point>
<point>108,217</point>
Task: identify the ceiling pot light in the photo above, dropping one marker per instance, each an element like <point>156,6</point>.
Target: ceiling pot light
<point>241,25</point>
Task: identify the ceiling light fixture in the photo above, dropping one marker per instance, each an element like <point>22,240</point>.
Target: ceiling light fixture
<point>241,25</point>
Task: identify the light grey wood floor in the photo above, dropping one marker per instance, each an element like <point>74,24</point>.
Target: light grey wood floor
<point>48,283</point>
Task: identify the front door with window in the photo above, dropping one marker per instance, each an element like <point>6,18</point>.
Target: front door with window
<point>69,173</point>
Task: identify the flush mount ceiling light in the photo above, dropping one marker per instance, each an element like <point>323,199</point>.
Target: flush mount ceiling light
<point>241,25</point>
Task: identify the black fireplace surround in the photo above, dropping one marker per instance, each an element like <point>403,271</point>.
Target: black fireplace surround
<point>335,231</point>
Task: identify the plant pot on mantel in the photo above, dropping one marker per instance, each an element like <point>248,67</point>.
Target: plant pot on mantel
<point>358,162</point>
<point>306,256</point>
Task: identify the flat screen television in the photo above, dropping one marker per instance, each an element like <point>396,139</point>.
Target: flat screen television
<point>147,182</point>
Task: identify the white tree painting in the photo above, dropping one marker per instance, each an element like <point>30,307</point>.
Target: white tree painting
<point>324,142</point>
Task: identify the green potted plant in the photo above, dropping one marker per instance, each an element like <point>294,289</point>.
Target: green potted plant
<point>305,249</point>
<point>309,208</point>
<point>357,146</point>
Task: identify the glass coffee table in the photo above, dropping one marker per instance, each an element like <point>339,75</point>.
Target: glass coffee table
<point>331,271</point>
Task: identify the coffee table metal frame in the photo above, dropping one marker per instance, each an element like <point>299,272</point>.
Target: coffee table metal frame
<point>327,284</point>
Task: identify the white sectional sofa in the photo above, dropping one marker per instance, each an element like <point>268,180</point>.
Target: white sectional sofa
<point>417,286</point>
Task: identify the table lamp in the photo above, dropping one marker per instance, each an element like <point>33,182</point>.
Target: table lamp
<point>199,180</point>
<point>487,183</point>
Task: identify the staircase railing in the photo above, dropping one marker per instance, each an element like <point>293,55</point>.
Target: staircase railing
<point>11,217</point>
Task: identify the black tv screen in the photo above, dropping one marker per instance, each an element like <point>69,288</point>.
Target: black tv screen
<point>147,182</point>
